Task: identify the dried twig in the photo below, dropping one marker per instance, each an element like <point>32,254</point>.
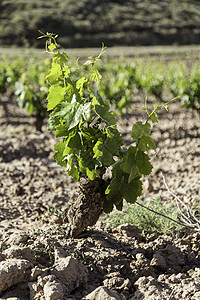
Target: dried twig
<point>190,220</point>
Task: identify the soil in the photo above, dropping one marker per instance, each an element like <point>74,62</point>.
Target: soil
<point>122,261</point>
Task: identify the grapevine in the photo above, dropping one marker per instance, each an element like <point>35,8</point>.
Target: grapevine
<point>31,91</point>
<point>90,142</point>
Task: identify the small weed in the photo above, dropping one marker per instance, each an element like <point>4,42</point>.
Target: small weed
<point>49,250</point>
<point>90,259</point>
<point>4,248</point>
<point>147,221</point>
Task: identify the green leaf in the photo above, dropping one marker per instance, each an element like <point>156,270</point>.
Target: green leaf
<point>74,141</point>
<point>55,73</point>
<point>52,122</point>
<point>74,172</point>
<point>101,108</point>
<point>98,100</point>
<point>139,130</point>
<point>107,206</point>
<point>69,92</point>
<point>56,116</point>
<point>132,190</point>
<point>133,173</point>
<point>107,116</point>
<point>80,85</point>
<point>68,151</point>
<point>155,106</point>
<point>119,206</point>
<point>145,142</point>
<point>115,189</point>
<point>103,153</point>
<point>92,174</point>
<point>87,112</point>
<point>143,164</point>
<point>105,150</point>
<point>86,161</point>
<point>113,133</point>
<point>91,134</point>
<point>128,164</point>
<point>61,131</point>
<point>72,169</point>
<point>66,71</point>
<point>154,117</point>
<point>58,156</point>
<point>95,76</point>
<point>55,96</point>
<point>120,188</point>
<point>73,114</point>
<point>129,160</point>
<point>52,47</point>
<point>114,140</point>
<point>30,108</point>
<point>60,58</point>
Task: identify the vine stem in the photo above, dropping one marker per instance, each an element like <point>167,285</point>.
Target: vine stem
<point>162,215</point>
<point>190,219</point>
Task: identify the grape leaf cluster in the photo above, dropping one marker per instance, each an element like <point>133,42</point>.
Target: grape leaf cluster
<point>89,141</point>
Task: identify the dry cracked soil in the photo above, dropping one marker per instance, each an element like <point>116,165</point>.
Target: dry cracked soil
<point>39,261</point>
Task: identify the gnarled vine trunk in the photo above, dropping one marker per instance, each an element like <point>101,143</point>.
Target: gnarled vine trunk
<point>87,207</point>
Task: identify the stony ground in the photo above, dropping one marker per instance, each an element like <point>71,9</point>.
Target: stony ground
<point>38,261</point>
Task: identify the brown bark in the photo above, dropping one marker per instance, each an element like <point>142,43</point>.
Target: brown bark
<point>86,209</point>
